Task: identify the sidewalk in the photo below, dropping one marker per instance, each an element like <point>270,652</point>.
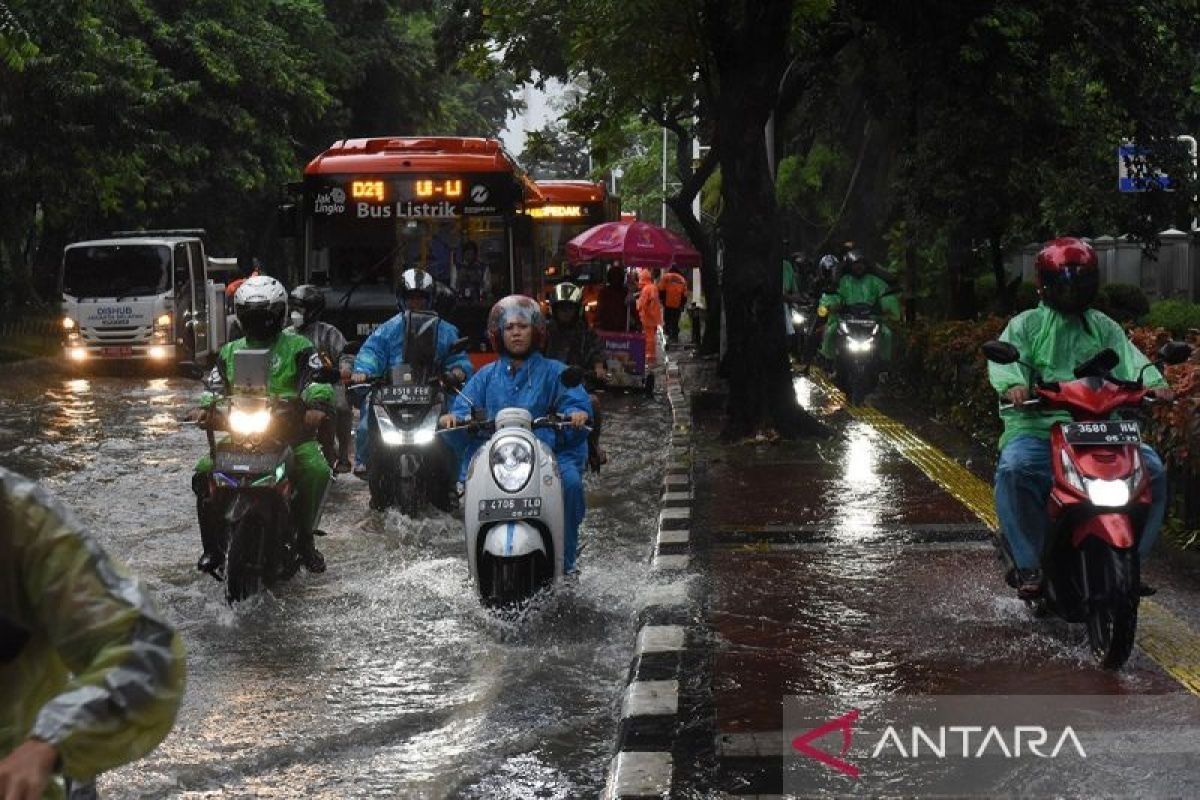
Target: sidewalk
<point>860,566</point>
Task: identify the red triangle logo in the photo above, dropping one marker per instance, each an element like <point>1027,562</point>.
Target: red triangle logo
<point>845,724</point>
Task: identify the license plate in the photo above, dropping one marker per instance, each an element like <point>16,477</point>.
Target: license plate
<point>116,352</point>
<point>406,394</point>
<point>231,461</point>
<point>1110,432</point>
<point>510,508</point>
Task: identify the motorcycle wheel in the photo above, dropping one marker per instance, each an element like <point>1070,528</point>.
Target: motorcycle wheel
<point>514,581</point>
<point>1112,618</point>
<point>381,497</point>
<point>244,562</point>
<point>410,496</point>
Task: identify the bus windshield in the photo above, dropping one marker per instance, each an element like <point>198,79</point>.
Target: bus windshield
<point>468,254</point>
<point>116,270</point>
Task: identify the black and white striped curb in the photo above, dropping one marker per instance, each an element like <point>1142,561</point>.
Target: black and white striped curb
<point>644,766</point>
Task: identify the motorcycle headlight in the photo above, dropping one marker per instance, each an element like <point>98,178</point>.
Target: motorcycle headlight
<point>860,345</point>
<point>797,318</point>
<point>512,463</point>
<point>247,423</point>
<point>1112,494</point>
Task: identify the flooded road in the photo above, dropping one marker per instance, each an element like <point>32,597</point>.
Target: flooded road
<point>382,677</point>
<point>857,570</point>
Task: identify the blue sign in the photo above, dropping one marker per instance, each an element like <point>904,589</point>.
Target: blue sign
<point>1133,174</point>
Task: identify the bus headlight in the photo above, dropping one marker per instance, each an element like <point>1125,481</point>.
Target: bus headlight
<point>512,463</point>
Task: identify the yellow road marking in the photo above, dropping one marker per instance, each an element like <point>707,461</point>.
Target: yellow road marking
<point>1164,637</point>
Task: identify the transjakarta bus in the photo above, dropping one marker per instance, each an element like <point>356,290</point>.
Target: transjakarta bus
<point>453,206</point>
<point>569,209</point>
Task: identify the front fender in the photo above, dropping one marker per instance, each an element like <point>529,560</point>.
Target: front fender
<point>1112,529</point>
<point>513,539</point>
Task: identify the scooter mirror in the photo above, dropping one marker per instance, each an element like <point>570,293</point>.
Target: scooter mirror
<point>1175,352</point>
<point>1000,352</point>
<point>1102,363</point>
<point>571,377</point>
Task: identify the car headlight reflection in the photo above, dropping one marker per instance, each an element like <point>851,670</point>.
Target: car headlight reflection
<point>248,423</point>
<point>512,463</point>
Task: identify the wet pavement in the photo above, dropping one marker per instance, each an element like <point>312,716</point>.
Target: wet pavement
<point>840,568</point>
<point>382,677</point>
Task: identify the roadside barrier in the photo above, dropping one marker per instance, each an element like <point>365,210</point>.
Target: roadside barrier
<point>643,766</point>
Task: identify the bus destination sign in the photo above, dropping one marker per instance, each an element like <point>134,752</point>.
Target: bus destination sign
<point>411,197</point>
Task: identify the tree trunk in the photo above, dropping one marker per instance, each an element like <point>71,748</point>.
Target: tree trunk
<point>749,44</point>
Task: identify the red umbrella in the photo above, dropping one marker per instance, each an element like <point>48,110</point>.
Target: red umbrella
<point>634,243</point>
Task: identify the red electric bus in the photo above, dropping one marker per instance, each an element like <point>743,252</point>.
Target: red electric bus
<point>569,209</point>
<point>454,206</point>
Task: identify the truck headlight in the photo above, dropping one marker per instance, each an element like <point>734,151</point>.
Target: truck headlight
<point>248,423</point>
<point>512,463</point>
<point>68,324</point>
<point>163,320</point>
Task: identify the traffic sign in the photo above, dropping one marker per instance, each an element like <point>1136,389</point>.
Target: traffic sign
<point>1133,173</point>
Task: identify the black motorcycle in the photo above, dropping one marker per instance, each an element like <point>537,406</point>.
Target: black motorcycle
<point>251,495</point>
<point>856,350</point>
<point>410,467</point>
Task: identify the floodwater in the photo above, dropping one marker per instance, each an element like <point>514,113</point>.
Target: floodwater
<point>382,677</point>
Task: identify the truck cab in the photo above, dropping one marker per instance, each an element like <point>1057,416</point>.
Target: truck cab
<point>141,296</point>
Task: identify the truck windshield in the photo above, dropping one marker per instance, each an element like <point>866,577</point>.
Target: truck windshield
<point>116,270</point>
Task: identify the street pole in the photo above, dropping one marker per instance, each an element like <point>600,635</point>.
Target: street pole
<point>664,178</point>
<point>1191,143</point>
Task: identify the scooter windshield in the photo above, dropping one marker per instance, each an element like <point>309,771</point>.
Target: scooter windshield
<point>420,343</point>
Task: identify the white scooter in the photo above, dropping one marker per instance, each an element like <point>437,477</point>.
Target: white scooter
<point>513,507</point>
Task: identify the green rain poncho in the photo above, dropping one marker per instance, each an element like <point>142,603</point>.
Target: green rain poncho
<point>86,662</point>
<point>294,361</point>
<point>1054,344</point>
<point>869,289</point>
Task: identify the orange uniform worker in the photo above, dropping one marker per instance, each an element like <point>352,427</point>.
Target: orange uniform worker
<point>674,291</point>
<point>650,311</point>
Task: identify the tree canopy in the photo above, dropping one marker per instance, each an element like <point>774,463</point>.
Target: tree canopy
<point>162,113</point>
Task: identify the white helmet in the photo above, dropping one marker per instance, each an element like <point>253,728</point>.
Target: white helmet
<point>260,304</point>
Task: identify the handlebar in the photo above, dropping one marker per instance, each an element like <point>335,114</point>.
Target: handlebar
<point>550,422</point>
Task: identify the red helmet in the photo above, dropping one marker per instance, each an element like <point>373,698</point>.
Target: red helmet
<point>1068,275</point>
<point>515,306</point>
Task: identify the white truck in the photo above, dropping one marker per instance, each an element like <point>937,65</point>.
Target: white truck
<point>141,296</point>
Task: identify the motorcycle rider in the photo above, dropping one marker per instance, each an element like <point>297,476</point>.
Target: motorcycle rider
<point>859,285</point>
<point>91,674</point>
<point>571,341</point>
<point>384,349</point>
<point>1062,332</point>
<point>524,378</point>
<point>261,308</point>
<point>307,303</point>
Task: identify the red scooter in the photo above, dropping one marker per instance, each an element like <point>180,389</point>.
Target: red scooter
<point>1099,500</point>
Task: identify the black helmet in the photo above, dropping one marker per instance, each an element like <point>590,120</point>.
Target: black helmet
<point>260,304</point>
<point>309,301</point>
<point>417,281</point>
<point>857,262</point>
<point>566,292</point>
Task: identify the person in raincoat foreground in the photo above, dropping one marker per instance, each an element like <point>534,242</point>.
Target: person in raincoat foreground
<point>90,673</point>
<point>384,349</point>
<point>650,311</point>
<point>261,307</point>
<point>523,378</point>
<point>859,286</point>
<point>1061,333</point>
